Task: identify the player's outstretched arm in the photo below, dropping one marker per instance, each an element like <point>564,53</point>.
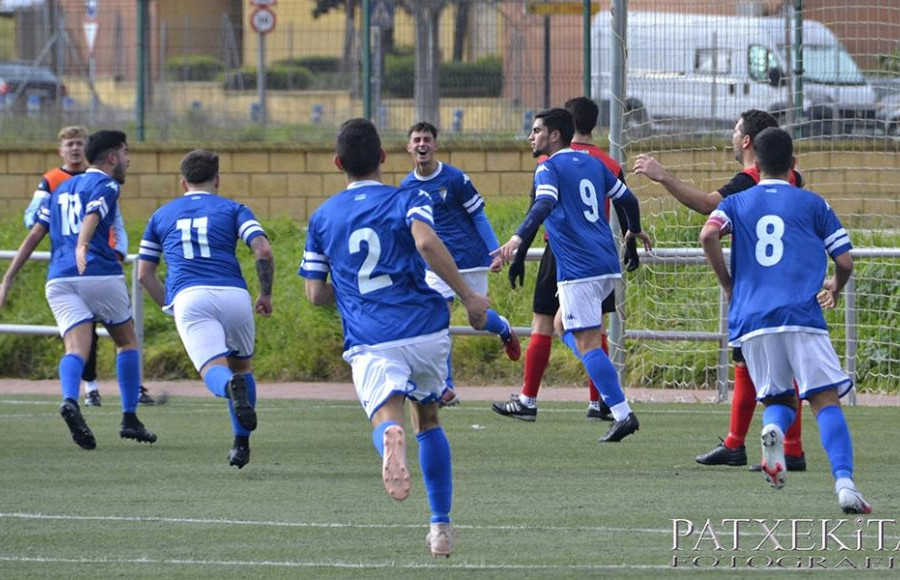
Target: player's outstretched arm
<point>150,281</point>
<point>712,246</point>
<point>831,289</point>
<point>696,199</point>
<point>441,263</point>
<point>88,227</point>
<point>26,248</point>
<point>265,270</point>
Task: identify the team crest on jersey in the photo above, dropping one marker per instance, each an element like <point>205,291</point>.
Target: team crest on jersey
<point>443,193</point>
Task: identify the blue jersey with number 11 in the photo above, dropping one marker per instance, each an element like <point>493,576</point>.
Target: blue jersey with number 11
<point>197,235</point>
<point>781,235</point>
<point>362,237</point>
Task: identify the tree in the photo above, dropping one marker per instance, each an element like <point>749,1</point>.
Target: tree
<point>348,60</point>
<point>427,97</point>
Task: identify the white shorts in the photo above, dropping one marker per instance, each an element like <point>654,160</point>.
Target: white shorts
<point>776,359</point>
<point>581,302</point>
<point>415,368</point>
<point>75,301</point>
<point>475,277</point>
<point>213,322</point>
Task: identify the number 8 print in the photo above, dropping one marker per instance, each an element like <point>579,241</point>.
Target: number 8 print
<point>769,239</point>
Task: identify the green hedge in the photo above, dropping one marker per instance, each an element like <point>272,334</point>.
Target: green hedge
<point>315,64</point>
<point>278,78</point>
<point>480,78</point>
<point>197,67</point>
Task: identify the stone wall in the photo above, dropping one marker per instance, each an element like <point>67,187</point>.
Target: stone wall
<point>277,181</point>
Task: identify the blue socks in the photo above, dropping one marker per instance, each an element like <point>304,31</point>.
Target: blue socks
<point>250,383</point>
<point>437,471</point>
<point>70,368</point>
<point>496,325</point>
<point>835,436</point>
<point>128,372</point>
<point>216,379</point>
<point>603,373</point>
<point>569,340</point>
<point>781,415</point>
<point>378,436</point>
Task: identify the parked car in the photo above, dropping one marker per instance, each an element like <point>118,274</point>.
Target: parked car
<point>21,81</point>
<point>888,91</point>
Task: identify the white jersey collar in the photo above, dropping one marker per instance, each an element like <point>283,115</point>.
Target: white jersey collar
<point>428,177</point>
<point>773,182</point>
<point>363,183</point>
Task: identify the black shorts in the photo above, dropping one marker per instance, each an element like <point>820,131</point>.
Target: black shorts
<point>545,299</point>
<point>737,355</point>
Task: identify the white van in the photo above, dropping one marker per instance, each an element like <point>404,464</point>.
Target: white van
<point>701,71</point>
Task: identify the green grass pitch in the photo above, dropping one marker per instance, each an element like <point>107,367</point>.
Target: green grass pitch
<point>531,500</point>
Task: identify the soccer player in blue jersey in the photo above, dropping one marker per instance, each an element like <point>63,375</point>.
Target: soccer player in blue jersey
<point>205,290</point>
<point>780,236</point>
<point>461,223</point>
<point>85,281</point>
<point>569,190</point>
<point>371,239</point>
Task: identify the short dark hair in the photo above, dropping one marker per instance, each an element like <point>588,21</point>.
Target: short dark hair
<point>102,142</point>
<point>358,147</point>
<point>585,112</point>
<point>422,127</point>
<point>774,150</point>
<point>561,120</point>
<point>200,166</point>
<point>755,121</point>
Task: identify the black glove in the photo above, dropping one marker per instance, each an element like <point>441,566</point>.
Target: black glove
<point>630,256</point>
<point>516,270</point>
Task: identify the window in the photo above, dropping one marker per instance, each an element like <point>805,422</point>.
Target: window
<point>759,60</point>
<point>712,61</point>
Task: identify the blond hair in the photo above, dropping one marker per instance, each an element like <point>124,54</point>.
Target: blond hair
<point>72,132</point>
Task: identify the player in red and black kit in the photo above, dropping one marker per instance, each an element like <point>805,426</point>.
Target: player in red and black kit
<point>545,302</point>
<point>743,402</point>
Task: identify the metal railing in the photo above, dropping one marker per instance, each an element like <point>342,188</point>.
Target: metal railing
<point>137,306</point>
<point>678,256</point>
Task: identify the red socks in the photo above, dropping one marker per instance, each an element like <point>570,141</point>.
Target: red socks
<point>792,444</point>
<point>743,403</point>
<point>537,356</point>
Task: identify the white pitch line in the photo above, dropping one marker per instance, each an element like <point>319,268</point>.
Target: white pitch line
<point>317,525</point>
<point>334,564</point>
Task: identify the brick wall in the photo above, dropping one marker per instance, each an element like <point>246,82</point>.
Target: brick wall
<point>280,181</point>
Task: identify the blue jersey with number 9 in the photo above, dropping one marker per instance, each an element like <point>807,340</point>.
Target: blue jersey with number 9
<point>197,235</point>
<point>578,185</point>
<point>362,237</point>
<point>781,235</point>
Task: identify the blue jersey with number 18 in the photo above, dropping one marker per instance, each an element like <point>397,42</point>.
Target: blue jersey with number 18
<point>578,185</point>
<point>781,234</point>
<point>197,234</point>
<point>62,213</point>
<point>362,237</point>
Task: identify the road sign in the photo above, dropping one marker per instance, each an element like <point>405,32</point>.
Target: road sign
<point>560,8</point>
<point>383,14</point>
<point>90,8</point>
<point>263,20</point>
<point>90,34</point>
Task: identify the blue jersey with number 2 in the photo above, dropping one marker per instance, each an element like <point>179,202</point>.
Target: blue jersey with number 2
<point>197,235</point>
<point>362,237</point>
<point>781,235</point>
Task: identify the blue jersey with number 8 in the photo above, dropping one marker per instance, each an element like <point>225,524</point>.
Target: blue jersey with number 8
<point>362,237</point>
<point>781,234</point>
<point>197,235</point>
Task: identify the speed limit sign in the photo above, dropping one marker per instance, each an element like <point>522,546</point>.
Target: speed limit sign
<point>263,20</point>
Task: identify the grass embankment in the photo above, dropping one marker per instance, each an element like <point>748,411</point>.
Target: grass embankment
<point>300,342</point>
